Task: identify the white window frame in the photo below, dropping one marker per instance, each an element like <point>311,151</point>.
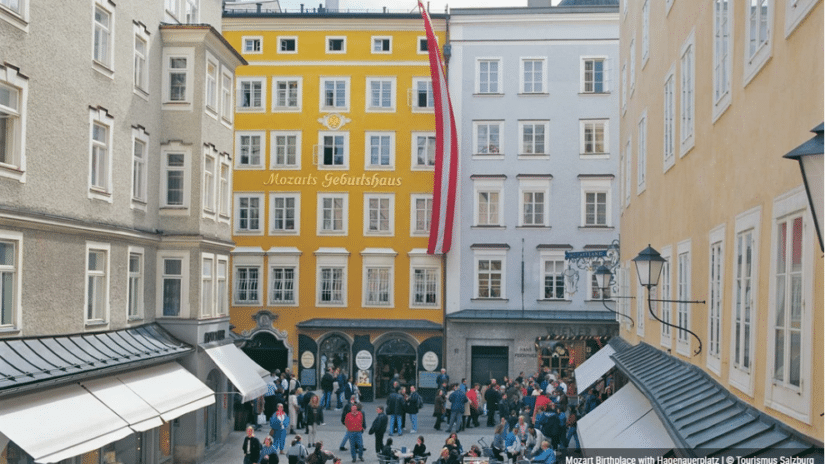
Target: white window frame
<point>249,230</point>
<point>135,284</point>
<point>319,151</point>
<point>522,150</point>
<point>683,292</point>
<point>749,221</point>
<point>641,154</point>
<point>281,43</point>
<point>716,295</point>
<point>489,151</point>
<point>756,59</point>
<point>211,90</point>
<point>583,74</point>
<point>344,230</point>
<point>722,62</point>
<point>555,256</point>
<point>140,169</point>
<point>632,66</point>
<point>331,258</point>
<point>140,62</point>
<point>415,230</point>
<point>490,90</point>
<point>666,293</point>
<point>383,260</point>
<point>170,53</point>
<point>414,94</point>
<point>779,395</point>
<point>210,183</point>
<point>430,141</point>
<point>624,88</point>
<point>102,314</point>
<point>17,17</point>
<point>421,40</point>
<point>322,106</point>
<point>274,146</point>
<point>276,108</point>
<point>381,38</point>
<point>175,148</point>
<point>15,269</point>
<point>687,101</point>
<point>15,82</point>
<point>328,44</point>
<point>191,8</point>
<point>389,199</point>
<point>596,185</point>
<point>795,12</point>
<point>283,258</point>
<point>224,195</point>
<point>247,259</point>
<point>368,165</point>
<point>421,261</point>
<point>103,64</point>
<point>252,107</point>
<point>645,32</point>
<point>226,98</point>
<point>296,213</point>
<point>542,82</point>
<point>368,100</point>
<point>488,185</point>
<point>240,165</point>
<point>102,168</point>
<point>628,170</point>
<point>248,45</point>
<point>222,285</point>
<point>669,121</point>
<point>583,128</point>
<point>534,185</point>
<point>208,275</point>
<point>490,255</point>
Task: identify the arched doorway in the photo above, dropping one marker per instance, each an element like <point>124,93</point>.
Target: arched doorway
<point>269,352</point>
<point>211,411</point>
<point>395,356</point>
<point>334,352</point>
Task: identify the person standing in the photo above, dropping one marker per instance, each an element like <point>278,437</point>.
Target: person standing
<point>326,386</point>
<point>342,380</point>
<point>269,455</point>
<point>294,407</point>
<point>457,400</point>
<point>443,380</point>
<point>297,452</point>
<point>349,407</point>
<point>414,404</point>
<point>474,396</point>
<point>379,428</point>
<point>492,396</point>
<point>438,408</point>
<point>355,427</point>
<point>395,407</point>
<point>280,424</point>
<point>251,447</point>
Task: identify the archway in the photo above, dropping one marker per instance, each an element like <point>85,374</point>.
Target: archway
<point>269,352</point>
<point>334,352</point>
<point>395,356</point>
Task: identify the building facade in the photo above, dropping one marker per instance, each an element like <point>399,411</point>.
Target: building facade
<point>116,143</point>
<point>536,107</point>
<point>335,140</point>
<point>704,127</point>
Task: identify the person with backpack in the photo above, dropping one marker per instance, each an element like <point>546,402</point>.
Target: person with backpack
<point>551,426</point>
<point>414,404</point>
<point>297,453</point>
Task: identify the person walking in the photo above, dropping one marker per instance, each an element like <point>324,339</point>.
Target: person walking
<point>438,408</point>
<point>457,400</point>
<point>355,427</point>
<point>251,447</point>
<point>326,386</point>
<point>314,417</point>
<point>297,452</point>
<point>395,408</point>
<point>349,406</point>
<point>414,404</point>
<point>280,424</point>
<point>379,428</point>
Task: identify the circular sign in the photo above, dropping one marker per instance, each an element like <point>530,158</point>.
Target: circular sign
<point>363,360</point>
<point>307,359</point>
<point>429,361</point>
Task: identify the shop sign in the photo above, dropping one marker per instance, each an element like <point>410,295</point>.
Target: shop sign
<point>429,361</point>
<point>307,359</point>
<point>566,331</point>
<point>363,360</point>
<point>335,180</point>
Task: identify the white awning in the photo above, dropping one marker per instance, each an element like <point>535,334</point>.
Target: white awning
<point>169,388</point>
<point>625,420</point>
<point>56,424</point>
<point>112,392</point>
<point>590,371</point>
<point>243,372</point>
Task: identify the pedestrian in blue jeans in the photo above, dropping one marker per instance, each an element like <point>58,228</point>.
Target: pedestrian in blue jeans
<point>355,427</point>
<point>414,403</point>
<point>395,409</point>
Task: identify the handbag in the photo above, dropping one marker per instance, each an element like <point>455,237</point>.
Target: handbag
<point>261,419</point>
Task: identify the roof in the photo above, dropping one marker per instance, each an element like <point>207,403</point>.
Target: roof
<point>701,416</point>
<point>533,315</point>
<point>28,363</point>
<point>610,6</point>
<point>368,324</point>
<point>209,30</point>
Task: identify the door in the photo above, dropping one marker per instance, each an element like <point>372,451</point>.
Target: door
<point>489,362</point>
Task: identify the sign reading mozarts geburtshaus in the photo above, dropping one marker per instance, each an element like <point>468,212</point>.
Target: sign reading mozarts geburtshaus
<point>332,179</point>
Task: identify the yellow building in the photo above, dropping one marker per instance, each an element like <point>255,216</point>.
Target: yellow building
<point>714,93</point>
<point>335,133</point>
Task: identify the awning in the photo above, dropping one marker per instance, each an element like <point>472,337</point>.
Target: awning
<point>56,424</point>
<point>590,371</point>
<point>112,392</point>
<point>170,389</point>
<point>243,372</point>
<point>625,420</point>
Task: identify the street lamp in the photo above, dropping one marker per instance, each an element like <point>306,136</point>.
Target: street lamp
<point>603,279</point>
<point>649,265</point>
<point>809,156</point>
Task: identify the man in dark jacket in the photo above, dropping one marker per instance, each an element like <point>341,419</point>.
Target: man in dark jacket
<point>395,409</point>
<point>379,428</point>
<point>457,399</point>
<point>251,447</point>
<point>326,386</point>
<point>342,380</point>
<point>414,403</point>
<point>492,396</point>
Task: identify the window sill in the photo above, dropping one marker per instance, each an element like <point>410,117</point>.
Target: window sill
<point>249,167</point>
<point>533,94</point>
<point>14,18</point>
<point>9,330</point>
<point>488,94</point>
<point>248,232</point>
<point>286,233</point>
<point>497,156</point>
<point>325,233</point>
<point>96,324</point>
<point>585,156</point>
<point>593,93</point>
<point>482,226</point>
<point>286,109</point>
<point>12,172</point>
<point>250,110</point>
<point>380,168</point>
<point>419,306</point>
<point>539,156</point>
<point>553,300</point>
<point>133,319</point>
<point>419,109</point>
<point>534,227</point>
<point>380,110</point>
<point>247,303</point>
<point>102,195</point>
<point>596,228</point>
<point>103,69</point>
<point>141,93</point>
<point>423,168</point>
<point>334,109</point>
<point>489,299</point>
<point>177,105</point>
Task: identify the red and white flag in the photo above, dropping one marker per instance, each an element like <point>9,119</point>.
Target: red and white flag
<point>446,150</point>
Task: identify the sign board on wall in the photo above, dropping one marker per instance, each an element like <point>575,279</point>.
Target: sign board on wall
<point>429,361</point>
<point>363,360</point>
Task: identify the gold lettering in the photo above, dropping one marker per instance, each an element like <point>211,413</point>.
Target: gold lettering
<point>271,179</point>
<point>327,180</point>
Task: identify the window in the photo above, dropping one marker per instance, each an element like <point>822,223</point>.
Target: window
<point>380,150</point>
<point>533,75</point>
<point>490,272</point>
<point>487,135</point>
<point>208,285</point>
<point>381,45</point>
<point>248,150</point>
<point>332,213</point>
<point>686,125</point>
<point>227,109</point>
<point>174,294</point>
<point>632,66</point>
<point>552,276</point>
<point>103,43</point>
<point>248,209</point>
<point>425,280</point>
<point>335,94</point>
<point>97,282</point>
<point>624,87</point>
<point>379,214</point>
<point>209,165</point>
<point>533,140</point>
<point>285,217</point>
<point>596,204</point>
<point>669,148</point>
<point>788,322</point>
<point>177,77</point>
<point>10,279</point>
<point>645,31</point>
<point>795,12</point>
<point>224,192</point>
<point>594,136</point>
<point>191,11</point>
<point>286,150</point>
<point>423,94</point>
<point>336,44</point>
<point>141,77</point>
<point>287,45</point>
<point>666,294</point>
<point>140,156</point>
<point>488,193</point>
<point>722,57</point>
<point>134,308</point>
<point>378,277</point>
<point>422,48</point>
<point>423,150</point>
<point>211,85</point>
<point>334,149</point>
<point>222,287</point>
<point>744,279</point>
<point>246,284</point>
<point>332,276</point>
<point>252,45</point>
<point>683,277</point>
<point>100,154</point>
<point>534,200</point>
<point>16,12</point>
<point>758,30</point>
<point>594,75</point>
<point>13,93</point>
<point>175,178</point>
<point>286,94</point>
<point>715,280</point>
<point>641,157</point>
<point>283,276</point>
<point>422,212</point>
<point>251,94</point>
<point>381,94</point>
<point>628,168</point>
<point>488,76</point>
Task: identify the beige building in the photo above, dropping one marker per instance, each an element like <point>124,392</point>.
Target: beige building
<point>713,94</point>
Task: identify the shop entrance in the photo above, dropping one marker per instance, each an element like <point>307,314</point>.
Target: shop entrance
<point>396,357</point>
<point>334,353</point>
<point>557,358</point>
<point>489,362</point>
<point>269,352</point>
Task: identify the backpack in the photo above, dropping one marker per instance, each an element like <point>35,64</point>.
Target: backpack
<point>551,425</point>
